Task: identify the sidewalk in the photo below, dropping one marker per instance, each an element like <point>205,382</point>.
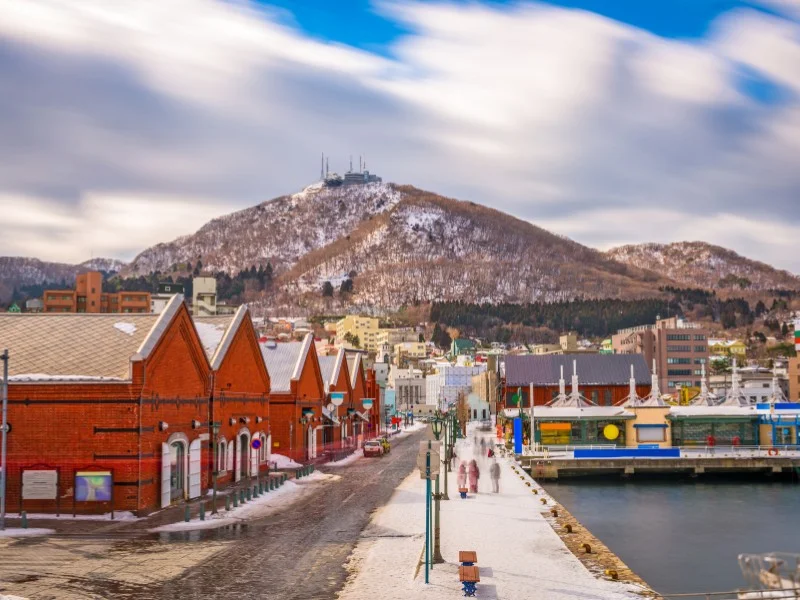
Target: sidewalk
<point>519,554</point>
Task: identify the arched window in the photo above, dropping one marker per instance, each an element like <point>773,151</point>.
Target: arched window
<point>264,449</point>
<point>222,456</point>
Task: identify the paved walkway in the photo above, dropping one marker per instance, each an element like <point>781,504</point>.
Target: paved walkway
<point>519,554</point>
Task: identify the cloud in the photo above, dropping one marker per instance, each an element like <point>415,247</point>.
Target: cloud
<point>192,108</point>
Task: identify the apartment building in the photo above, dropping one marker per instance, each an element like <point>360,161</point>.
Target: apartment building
<point>88,297</point>
<point>678,347</point>
<point>204,296</point>
<point>397,335</point>
<point>366,328</point>
<point>409,351</point>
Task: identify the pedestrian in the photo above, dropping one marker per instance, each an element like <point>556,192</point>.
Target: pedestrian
<point>453,458</point>
<point>474,474</point>
<point>494,473</point>
<point>483,445</point>
<point>462,476</point>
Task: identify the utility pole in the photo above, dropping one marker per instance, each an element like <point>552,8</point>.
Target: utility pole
<point>3,458</point>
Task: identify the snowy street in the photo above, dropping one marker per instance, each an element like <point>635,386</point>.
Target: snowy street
<point>519,554</point>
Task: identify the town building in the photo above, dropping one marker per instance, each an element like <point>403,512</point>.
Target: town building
<point>408,352</point>
<point>366,329</point>
<point>358,413</point>
<point>756,384</point>
<point>448,381</point>
<point>297,391</point>
<point>396,335</point>
<point>34,305</point>
<point>680,349</point>
<point>727,348</point>
<point>204,296</point>
<point>166,290</point>
<point>88,297</point>
<point>239,402</point>
<point>115,407</point>
<point>462,346</point>
<point>604,379</point>
<point>409,388</point>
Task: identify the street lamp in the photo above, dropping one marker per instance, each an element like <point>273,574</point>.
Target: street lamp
<point>436,427</point>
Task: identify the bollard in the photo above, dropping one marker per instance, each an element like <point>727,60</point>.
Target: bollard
<point>554,512</point>
<point>24,516</point>
<point>235,500</point>
<point>202,511</point>
<point>255,492</point>
<point>586,548</point>
<point>544,500</point>
<point>260,487</point>
<point>536,492</point>
<point>568,528</point>
<point>285,478</point>
<point>271,483</point>
<point>312,468</point>
<point>186,513</point>
<point>227,503</point>
<point>248,494</point>
<point>241,496</point>
<point>297,474</point>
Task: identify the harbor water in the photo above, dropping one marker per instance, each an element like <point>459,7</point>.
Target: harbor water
<point>684,536</point>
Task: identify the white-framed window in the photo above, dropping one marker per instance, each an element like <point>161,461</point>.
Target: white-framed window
<point>263,451</point>
<point>650,434</point>
<point>222,456</point>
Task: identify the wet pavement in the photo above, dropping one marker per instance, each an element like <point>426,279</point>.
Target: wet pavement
<point>298,553</point>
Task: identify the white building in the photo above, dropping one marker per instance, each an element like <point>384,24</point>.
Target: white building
<point>444,386</point>
<point>204,296</point>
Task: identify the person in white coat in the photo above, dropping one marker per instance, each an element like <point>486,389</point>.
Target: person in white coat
<point>494,474</point>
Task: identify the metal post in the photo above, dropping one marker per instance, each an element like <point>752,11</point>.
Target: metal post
<point>427,514</point>
<point>3,458</point>
<point>448,450</point>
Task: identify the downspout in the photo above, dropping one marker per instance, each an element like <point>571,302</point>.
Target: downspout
<point>139,457</point>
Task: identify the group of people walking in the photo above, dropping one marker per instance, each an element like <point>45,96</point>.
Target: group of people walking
<point>470,471</point>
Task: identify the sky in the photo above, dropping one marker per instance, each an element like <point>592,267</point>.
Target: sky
<point>130,123</point>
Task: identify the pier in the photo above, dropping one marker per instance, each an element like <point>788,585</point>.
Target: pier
<point>682,461</point>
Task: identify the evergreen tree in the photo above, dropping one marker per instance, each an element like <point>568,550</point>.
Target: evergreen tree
<point>327,290</point>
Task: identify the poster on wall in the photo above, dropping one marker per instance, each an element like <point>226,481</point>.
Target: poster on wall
<point>93,486</point>
<point>39,484</point>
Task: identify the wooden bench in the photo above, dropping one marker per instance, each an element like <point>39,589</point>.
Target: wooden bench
<point>467,557</point>
<point>469,577</point>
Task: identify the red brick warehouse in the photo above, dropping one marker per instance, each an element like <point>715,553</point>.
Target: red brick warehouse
<point>336,380</point>
<point>126,394</point>
<point>239,398</point>
<point>296,397</point>
<point>359,420</point>
<point>603,379</point>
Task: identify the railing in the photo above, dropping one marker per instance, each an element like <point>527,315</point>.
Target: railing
<point>791,594</point>
<point>717,451</point>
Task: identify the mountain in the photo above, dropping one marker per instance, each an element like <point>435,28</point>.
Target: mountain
<point>698,264</point>
<point>401,245</point>
<point>16,272</point>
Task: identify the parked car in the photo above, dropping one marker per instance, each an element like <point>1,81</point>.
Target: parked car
<point>373,448</point>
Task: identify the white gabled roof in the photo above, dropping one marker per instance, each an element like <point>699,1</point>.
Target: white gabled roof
<point>285,361</point>
<point>353,362</point>
<point>217,333</point>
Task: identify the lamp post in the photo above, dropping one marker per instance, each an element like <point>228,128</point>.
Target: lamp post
<point>436,426</point>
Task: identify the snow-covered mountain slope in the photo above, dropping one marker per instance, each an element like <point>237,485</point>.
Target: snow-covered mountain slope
<point>16,271</point>
<point>280,231</point>
<point>403,244</point>
<point>697,264</point>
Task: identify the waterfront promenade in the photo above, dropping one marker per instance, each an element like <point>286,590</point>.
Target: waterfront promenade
<point>519,553</point>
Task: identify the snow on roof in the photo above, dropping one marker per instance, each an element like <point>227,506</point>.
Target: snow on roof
<point>573,412</point>
<point>124,327</point>
<point>720,410</point>
<point>281,360</point>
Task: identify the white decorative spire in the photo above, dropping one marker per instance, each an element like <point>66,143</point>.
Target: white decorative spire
<point>777,393</point>
<point>654,398</point>
<point>735,397</point>
<point>704,398</point>
<point>574,400</point>
<point>574,394</point>
<point>562,384</point>
<point>632,399</point>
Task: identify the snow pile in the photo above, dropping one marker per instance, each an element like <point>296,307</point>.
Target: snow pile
<point>13,532</point>
<point>347,460</point>
<point>120,515</point>
<point>284,462</point>
<point>258,508</point>
<point>128,328</point>
<point>210,336</point>
<point>532,563</point>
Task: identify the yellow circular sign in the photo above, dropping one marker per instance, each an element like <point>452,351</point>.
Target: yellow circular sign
<point>611,432</point>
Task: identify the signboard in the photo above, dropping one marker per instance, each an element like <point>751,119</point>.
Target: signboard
<point>337,398</point>
<point>367,403</point>
<point>40,484</point>
<point>93,486</point>
<point>256,443</point>
<point>435,463</point>
<point>434,446</point>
